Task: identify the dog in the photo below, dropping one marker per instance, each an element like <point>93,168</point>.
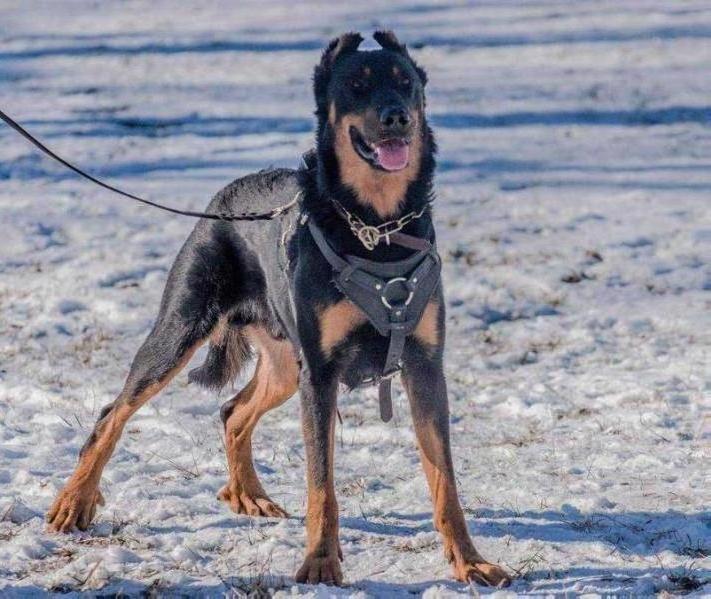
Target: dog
<point>271,287</point>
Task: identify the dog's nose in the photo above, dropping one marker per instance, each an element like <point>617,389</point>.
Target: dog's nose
<point>395,118</point>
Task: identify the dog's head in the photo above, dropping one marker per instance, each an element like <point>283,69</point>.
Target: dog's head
<point>370,108</point>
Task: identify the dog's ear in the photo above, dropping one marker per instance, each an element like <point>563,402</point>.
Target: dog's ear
<point>388,41</point>
<point>345,44</point>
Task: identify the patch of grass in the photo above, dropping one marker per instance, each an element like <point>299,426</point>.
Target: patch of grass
<point>356,487</point>
<point>260,587</point>
<point>695,549</point>
<point>685,582</point>
<point>586,524</point>
<point>89,344</point>
<point>189,473</point>
<point>410,547</point>
<point>529,564</point>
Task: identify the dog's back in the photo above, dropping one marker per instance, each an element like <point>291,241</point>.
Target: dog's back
<point>253,252</point>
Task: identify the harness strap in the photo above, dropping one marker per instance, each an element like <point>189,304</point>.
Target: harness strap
<point>410,241</point>
<point>332,257</point>
<point>396,345</point>
<point>385,399</point>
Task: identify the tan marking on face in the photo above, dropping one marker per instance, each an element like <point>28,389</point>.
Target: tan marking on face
<point>427,331</point>
<point>382,191</point>
<point>367,71</point>
<point>336,322</point>
<point>396,70</point>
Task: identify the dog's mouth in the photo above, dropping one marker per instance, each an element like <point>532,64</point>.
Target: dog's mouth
<point>390,155</point>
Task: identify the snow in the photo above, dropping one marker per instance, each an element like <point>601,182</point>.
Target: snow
<point>574,219</point>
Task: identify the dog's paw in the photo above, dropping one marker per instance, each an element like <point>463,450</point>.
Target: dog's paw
<point>251,504</point>
<point>75,506</point>
<point>317,569</point>
<point>482,573</point>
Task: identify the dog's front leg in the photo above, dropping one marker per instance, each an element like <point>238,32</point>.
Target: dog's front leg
<point>427,392</point>
<point>318,409</point>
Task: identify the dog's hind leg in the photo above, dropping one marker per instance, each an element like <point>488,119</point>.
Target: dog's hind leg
<point>275,380</point>
<point>167,349</point>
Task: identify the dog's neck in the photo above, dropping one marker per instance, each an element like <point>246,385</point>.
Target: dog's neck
<point>322,184</point>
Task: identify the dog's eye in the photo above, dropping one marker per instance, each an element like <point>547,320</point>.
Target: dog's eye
<point>405,82</point>
<point>357,85</point>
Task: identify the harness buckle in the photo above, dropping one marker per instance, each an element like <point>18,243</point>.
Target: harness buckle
<point>384,294</point>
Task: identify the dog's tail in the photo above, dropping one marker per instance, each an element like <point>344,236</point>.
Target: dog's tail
<point>225,359</point>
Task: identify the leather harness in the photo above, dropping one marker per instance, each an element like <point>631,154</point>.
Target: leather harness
<point>393,296</point>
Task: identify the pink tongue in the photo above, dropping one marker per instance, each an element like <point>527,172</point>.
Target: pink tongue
<point>392,154</point>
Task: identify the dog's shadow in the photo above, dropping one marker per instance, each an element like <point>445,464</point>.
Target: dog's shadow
<point>633,533</point>
<point>643,581</point>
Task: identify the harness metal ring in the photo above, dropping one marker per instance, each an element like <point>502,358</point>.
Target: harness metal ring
<point>383,295</point>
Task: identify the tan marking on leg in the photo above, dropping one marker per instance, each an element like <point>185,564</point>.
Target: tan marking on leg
<point>275,380</point>
<point>332,113</point>
<point>427,331</point>
<point>337,321</point>
<point>220,331</point>
<point>323,550</point>
<point>321,520</point>
<point>76,502</point>
<point>448,516</point>
<point>380,190</point>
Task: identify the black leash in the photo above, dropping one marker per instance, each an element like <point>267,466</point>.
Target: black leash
<point>245,216</point>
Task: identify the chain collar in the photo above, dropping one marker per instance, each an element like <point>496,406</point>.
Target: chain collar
<point>370,236</point>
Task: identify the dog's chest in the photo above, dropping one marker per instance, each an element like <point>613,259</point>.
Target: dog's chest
<point>361,356</point>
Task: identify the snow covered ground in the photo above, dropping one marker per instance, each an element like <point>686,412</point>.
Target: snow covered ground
<point>574,215</point>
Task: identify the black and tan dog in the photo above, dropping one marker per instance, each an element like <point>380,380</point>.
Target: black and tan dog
<point>268,287</point>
